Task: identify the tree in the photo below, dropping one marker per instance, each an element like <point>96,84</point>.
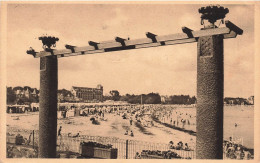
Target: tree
<point>123,98</point>
<point>17,88</point>
<point>182,99</point>
<point>152,98</point>
<point>115,95</point>
<point>65,92</point>
<point>27,88</point>
<point>11,97</point>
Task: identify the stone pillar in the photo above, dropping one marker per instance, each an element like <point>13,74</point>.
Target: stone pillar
<point>210,83</point>
<point>48,107</point>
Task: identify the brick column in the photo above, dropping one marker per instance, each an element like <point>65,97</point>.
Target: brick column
<point>48,107</point>
<point>210,83</point>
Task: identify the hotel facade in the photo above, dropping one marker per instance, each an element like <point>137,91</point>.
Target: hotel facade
<point>88,94</point>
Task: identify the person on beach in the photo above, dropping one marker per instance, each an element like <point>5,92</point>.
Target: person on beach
<point>29,139</point>
<point>131,121</point>
<point>137,155</point>
<point>186,148</point>
<point>242,154</point>
<point>132,134</point>
<point>238,152</point>
<point>231,151</point>
<point>171,145</point>
<point>183,123</point>
<point>230,142</point>
<point>126,132</point>
<point>65,114</point>
<point>179,146</point>
<point>59,131</point>
<point>59,137</point>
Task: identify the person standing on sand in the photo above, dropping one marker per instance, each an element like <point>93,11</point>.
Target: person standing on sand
<point>132,134</point>
<point>59,135</point>
<point>131,121</point>
<point>29,139</point>
<point>59,132</point>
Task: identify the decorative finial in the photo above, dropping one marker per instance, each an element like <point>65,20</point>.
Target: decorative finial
<point>48,41</point>
<point>212,13</point>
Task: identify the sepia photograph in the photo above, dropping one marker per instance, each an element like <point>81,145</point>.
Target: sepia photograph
<point>128,80</point>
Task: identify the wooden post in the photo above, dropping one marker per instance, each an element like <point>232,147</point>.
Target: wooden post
<point>210,83</point>
<point>126,148</point>
<point>33,139</point>
<point>48,107</point>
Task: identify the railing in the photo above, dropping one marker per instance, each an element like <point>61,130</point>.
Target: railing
<point>127,149</point>
<point>66,143</point>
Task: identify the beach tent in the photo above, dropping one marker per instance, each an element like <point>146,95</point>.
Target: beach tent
<point>77,112</point>
<point>59,114</point>
<point>70,113</point>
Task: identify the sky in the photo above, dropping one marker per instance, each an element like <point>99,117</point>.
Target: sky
<point>166,70</point>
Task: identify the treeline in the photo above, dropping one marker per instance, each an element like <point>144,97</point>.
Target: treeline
<point>236,101</point>
<point>65,92</point>
<point>26,95</point>
<point>151,98</point>
<point>22,95</point>
<point>181,99</point>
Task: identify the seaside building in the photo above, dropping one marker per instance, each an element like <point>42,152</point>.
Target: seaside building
<point>251,100</point>
<point>88,94</point>
<point>34,93</point>
<point>21,93</point>
<point>163,99</point>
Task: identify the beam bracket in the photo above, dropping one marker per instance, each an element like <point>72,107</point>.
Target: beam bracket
<point>121,40</point>
<point>151,36</point>
<point>70,47</point>
<point>188,31</point>
<point>31,51</point>
<point>95,44</point>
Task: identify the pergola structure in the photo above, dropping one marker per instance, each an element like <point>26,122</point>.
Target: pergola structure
<point>210,78</point>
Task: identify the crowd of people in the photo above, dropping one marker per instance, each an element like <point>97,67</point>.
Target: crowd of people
<point>141,114</point>
<point>169,114</point>
<point>179,146</point>
<point>157,154</point>
<point>233,150</point>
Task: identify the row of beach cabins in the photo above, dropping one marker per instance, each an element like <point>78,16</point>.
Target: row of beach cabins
<point>70,109</point>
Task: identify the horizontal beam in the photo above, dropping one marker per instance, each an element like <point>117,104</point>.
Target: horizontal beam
<point>174,42</point>
<point>152,40</point>
<point>200,33</point>
<point>233,27</point>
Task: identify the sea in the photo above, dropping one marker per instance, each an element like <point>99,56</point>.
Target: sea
<point>238,123</point>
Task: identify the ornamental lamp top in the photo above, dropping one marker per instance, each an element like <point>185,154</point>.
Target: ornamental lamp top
<point>48,41</point>
<point>213,13</point>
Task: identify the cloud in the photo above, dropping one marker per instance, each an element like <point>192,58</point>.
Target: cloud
<point>118,19</point>
<point>168,69</point>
